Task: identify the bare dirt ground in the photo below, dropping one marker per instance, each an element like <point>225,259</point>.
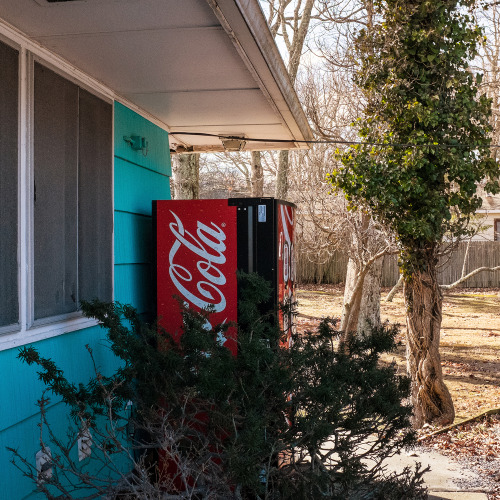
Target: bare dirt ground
<point>470,357</point>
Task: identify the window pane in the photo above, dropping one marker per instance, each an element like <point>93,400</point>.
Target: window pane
<point>9,304</point>
<point>55,212</point>
<point>95,208</point>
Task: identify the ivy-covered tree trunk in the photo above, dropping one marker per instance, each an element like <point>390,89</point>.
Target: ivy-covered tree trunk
<point>425,146</point>
<point>424,303</point>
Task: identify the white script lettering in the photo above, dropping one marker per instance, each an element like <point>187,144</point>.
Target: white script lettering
<point>209,246</point>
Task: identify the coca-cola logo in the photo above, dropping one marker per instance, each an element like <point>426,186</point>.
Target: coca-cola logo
<point>208,247</point>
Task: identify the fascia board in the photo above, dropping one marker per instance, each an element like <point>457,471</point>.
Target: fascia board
<point>245,24</point>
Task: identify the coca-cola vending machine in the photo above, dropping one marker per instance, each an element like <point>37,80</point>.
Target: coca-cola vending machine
<point>200,244</point>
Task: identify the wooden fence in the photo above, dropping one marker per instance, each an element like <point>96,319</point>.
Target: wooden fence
<point>481,253</point>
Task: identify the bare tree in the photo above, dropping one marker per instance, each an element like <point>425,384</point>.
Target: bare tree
<point>327,226</point>
<point>226,175</point>
<point>289,21</point>
<point>186,174</point>
<point>487,62</point>
<point>369,243</point>
<point>332,102</point>
<point>257,175</point>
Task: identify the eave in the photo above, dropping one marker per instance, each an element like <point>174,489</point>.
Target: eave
<point>193,65</point>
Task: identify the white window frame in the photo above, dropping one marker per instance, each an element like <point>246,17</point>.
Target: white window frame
<point>28,330</point>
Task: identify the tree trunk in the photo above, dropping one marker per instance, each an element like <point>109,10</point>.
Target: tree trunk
<point>352,300</point>
<point>361,300</point>
<point>395,289</point>
<point>282,176</point>
<point>257,175</point>
<point>369,311</point>
<point>431,399</point>
<point>355,276</point>
<point>187,176</point>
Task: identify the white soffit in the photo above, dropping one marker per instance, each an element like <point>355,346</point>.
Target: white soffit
<point>195,65</point>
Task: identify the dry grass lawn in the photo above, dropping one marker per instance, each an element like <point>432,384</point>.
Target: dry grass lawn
<point>470,339</point>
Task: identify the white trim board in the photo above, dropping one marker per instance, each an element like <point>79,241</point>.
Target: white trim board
<point>27,330</point>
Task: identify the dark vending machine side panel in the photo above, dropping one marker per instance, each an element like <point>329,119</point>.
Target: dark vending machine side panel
<point>266,231</point>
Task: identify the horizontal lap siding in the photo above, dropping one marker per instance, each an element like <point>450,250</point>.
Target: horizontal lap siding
<point>135,285</point>
<point>157,156</point>
<point>19,418</point>
<point>140,178</point>
<point>133,227</point>
<point>136,187</point>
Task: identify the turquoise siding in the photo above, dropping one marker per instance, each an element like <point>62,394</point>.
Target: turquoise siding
<point>135,187</point>
<point>139,179</point>
<point>128,123</point>
<point>133,227</point>
<point>20,389</point>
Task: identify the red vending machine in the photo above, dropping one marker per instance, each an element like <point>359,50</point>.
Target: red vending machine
<point>200,244</point>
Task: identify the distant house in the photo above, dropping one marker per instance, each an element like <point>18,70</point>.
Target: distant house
<point>90,91</point>
<point>489,216</point>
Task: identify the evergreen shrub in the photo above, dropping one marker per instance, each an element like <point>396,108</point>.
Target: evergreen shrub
<point>315,420</point>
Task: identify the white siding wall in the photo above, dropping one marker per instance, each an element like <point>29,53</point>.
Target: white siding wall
<point>487,219</point>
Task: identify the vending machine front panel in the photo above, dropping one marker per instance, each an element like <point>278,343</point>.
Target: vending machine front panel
<point>196,261</point>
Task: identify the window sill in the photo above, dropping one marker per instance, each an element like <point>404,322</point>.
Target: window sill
<point>43,332</point>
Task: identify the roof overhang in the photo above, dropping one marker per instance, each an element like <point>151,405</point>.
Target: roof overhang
<point>196,66</point>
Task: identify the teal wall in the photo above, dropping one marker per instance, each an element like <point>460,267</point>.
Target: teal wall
<point>20,390</point>
<point>139,178</point>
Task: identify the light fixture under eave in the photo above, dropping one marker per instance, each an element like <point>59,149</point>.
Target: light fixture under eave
<point>233,144</point>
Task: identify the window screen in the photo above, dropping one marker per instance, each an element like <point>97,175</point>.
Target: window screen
<point>55,165</point>
<point>95,207</point>
<point>72,206</point>
<point>9,302</point>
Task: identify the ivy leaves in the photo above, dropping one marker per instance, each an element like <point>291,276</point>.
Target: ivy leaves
<point>424,109</point>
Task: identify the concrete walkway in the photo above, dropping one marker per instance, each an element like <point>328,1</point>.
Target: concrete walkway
<point>447,479</point>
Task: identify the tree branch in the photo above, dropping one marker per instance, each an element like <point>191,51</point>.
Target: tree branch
<point>470,275</point>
